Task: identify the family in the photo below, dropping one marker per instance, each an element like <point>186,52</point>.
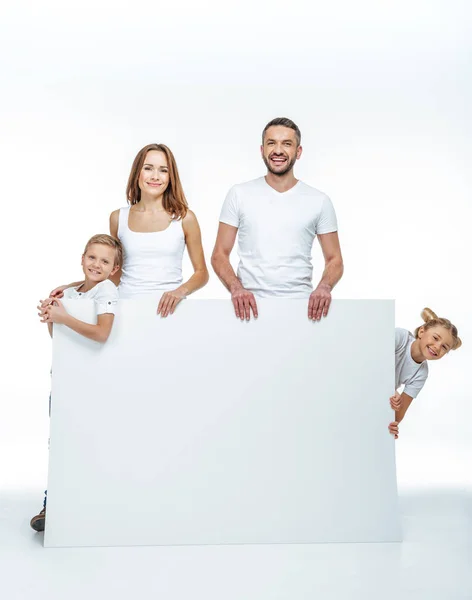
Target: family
<point>275,218</point>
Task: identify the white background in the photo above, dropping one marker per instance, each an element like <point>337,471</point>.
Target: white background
<point>381,92</point>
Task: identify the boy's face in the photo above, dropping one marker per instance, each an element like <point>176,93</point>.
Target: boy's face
<point>98,262</point>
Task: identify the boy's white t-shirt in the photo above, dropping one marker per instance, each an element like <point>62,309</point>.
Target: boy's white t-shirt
<point>104,294</point>
<point>407,371</point>
<point>275,235</point>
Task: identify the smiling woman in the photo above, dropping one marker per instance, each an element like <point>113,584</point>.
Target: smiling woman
<point>154,230</point>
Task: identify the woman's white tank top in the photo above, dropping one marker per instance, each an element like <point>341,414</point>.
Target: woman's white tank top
<point>152,262</point>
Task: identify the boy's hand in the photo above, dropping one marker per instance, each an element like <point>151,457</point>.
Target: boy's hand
<point>395,402</point>
<point>43,304</point>
<point>393,429</point>
<point>55,313</point>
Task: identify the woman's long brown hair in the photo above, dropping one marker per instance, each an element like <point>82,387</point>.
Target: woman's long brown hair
<point>174,201</point>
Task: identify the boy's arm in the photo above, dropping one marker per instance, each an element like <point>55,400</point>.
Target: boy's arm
<point>98,332</point>
<point>56,313</point>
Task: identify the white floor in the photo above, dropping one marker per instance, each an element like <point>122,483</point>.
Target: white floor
<point>433,562</point>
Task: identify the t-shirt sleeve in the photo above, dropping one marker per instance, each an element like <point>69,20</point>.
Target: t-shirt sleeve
<point>230,211</point>
<point>327,222</point>
<point>106,299</point>
<point>401,336</point>
<point>414,387</point>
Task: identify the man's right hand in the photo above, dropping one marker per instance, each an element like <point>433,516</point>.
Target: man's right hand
<point>243,302</point>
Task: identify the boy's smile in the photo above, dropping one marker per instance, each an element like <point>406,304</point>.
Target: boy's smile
<point>98,264</point>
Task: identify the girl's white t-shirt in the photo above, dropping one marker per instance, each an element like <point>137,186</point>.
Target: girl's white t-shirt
<point>275,235</point>
<point>104,294</point>
<point>407,371</point>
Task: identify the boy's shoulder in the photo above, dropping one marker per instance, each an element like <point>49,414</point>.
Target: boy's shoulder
<point>106,288</point>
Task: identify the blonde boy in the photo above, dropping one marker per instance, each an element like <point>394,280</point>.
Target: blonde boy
<point>102,257</point>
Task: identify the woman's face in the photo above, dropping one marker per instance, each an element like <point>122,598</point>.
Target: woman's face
<point>434,342</point>
<point>154,176</point>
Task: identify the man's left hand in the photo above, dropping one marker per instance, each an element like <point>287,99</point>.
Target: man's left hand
<point>320,301</point>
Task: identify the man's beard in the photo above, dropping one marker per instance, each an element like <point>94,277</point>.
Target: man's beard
<point>288,167</point>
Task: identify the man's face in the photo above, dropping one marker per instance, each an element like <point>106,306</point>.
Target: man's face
<point>279,150</point>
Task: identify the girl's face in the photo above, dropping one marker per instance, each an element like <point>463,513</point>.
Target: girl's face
<point>434,342</point>
<point>154,176</point>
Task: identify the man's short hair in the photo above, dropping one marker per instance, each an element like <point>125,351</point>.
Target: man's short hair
<point>284,122</point>
<point>112,242</point>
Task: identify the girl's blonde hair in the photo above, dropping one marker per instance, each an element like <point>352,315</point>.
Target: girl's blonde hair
<point>431,319</point>
<point>174,201</point>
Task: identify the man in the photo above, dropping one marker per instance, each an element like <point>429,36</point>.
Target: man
<point>277,218</point>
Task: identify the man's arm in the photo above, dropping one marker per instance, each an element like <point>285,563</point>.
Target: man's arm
<point>242,299</point>
<point>320,298</point>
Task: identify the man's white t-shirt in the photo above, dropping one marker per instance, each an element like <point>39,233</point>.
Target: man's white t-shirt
<point>275,235</point>
<point>104,294</point>
<point>407,371</point>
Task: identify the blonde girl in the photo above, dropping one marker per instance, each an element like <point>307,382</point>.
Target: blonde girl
<point>431,341</point>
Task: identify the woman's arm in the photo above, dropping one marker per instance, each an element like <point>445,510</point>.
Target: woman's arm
<point>114,218</point>
<point>56,313</point>
<point>193,239</point>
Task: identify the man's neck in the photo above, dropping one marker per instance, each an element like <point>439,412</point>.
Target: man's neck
<point>281,183</point>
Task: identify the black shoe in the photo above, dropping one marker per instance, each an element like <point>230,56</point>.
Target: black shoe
<point>37,522</point>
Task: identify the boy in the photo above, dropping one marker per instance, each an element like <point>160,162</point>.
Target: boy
<point>102,257</point>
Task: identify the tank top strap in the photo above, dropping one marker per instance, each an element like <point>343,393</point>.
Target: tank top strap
<point>123,221</point>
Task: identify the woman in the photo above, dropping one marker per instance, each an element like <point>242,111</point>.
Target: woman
<point>154,230</point>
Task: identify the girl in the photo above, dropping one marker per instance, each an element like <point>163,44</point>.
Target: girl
<point>154,230</point>
<point>431,341</point>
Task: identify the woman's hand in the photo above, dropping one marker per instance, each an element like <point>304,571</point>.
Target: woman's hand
<point>393,429</point>
<point>59,291</point>
<point>169,301</point>
<point>395,401</point>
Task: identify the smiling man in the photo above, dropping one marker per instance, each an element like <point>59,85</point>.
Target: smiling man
<point>277,218</point>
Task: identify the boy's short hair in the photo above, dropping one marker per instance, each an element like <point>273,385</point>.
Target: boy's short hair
<point>108,240</point>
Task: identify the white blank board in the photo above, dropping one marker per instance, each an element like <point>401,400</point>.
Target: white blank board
<point>201,429</point>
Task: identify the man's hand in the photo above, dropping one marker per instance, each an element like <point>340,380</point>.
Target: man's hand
<point>169,301</point>
<point>54,313</point>
<point>243,302</point>
<point>395,401</point>
<point>393,429</point>
<point>319,302</point>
